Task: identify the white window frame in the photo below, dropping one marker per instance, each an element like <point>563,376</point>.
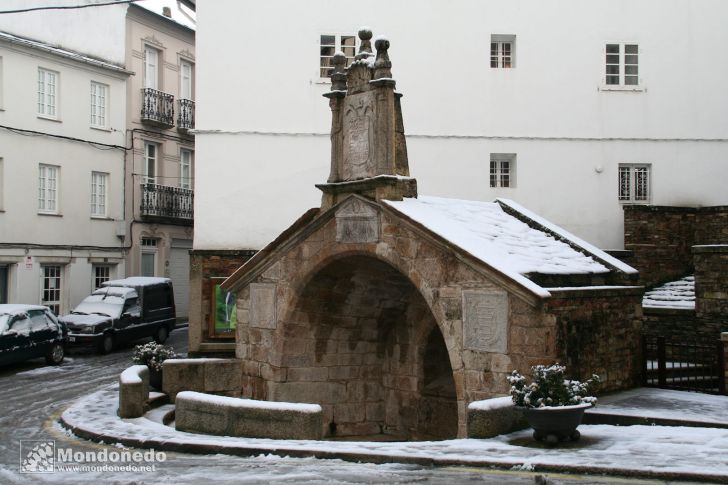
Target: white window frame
<point>97,279</point>
<point>634,183</point>
<point>150,176</point>
<point>46,276</point>
<point>186,70</point>
<point>99,194</point>
<point>628,55</point>
<point>186,160</point>
<point>148,247</point>
<point>99,105</point>
<point>502,51</point>
<point>48,188</point>
<point>151,67</point>
<point>325,57</point>
<point>47,90</point>
<point>502,171</point>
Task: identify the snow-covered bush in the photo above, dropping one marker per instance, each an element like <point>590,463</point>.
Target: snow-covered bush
<point>152,355</point>
<point>549,388</point>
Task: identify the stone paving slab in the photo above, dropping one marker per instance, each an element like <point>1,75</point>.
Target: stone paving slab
<point>668,453</point>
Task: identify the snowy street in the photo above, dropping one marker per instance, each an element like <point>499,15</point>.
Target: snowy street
<point>34,395</point>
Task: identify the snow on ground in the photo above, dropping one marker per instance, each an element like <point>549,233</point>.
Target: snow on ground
<point>678,294</point>
<point>602,448</point>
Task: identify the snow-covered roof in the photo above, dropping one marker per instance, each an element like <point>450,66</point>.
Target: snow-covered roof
<point>497,238</point>
<point>68,54</point>
<point>136,281</point>
<point>678,294</point>
<point>180,14</point>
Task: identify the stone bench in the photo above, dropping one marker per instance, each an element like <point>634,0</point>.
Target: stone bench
<point>492,417</point>
<point>218,376</point>
<point>133,391</point>
<point>229,416</point>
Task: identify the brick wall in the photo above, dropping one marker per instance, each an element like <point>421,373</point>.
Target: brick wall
<point>711,285</point>
<point>660,238</point>
<point>599,333</point>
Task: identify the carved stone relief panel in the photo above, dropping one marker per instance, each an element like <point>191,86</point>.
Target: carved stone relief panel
<point>485,321</point>
<point>358,137</point>
<point>263,305</point>
<point>357,222</point>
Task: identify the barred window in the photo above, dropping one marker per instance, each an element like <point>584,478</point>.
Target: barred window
<point>634,183</point>
<point>502,51</point>
<point>502,169</point>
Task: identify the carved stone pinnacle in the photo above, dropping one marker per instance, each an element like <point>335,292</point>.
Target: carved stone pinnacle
<point>338,77</point>
<point>365,48</point>
<point>382,66</point>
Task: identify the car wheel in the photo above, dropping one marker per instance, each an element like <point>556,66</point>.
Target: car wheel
<point>107,344</point>
<point>55,355</point>
<point>160,336</point>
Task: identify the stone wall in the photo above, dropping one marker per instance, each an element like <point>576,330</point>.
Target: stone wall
<point>660,238</point>
<point>205,265</point>
<point>599,333</point>
<point>678,324</point>
<point>711,285</point>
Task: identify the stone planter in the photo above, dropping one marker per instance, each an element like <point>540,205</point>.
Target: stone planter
<point>155,379</point>
<point>554,424</point>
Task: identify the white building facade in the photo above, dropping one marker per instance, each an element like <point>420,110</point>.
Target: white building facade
<point>61,173</point>
<point>571,108</point>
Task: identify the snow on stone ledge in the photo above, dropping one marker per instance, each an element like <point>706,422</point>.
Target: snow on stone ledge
<point>132,375</point>
<point>678,294</point>
<point>249,403</point>
<point>491,404</point>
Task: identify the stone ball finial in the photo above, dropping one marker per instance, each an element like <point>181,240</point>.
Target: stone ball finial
<point>365,46</point>
<point>339,59</point>
<point>338,76</point>
<point>365,33</point>
<point>381,43</point>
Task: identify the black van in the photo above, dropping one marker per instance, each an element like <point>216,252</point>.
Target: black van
<point>123,310</point>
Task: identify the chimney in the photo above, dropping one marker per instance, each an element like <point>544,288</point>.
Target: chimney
<point>167,12</point>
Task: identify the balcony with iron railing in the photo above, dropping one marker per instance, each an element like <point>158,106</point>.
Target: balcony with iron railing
<point>157,108</point>
<point>170,205</point>
<point>185,115</point>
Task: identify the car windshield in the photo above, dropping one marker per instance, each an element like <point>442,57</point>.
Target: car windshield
<point>4,319</point>
<point>110,305</point>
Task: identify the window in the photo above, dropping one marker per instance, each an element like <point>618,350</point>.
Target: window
<point>185,80</point>
<point>185,169</point>
<point>98,193</point>
<point>634,183</point>
<point>151,67</point>
<point>149,256</point>
<point>99,97</point>
<point>51,287</point>
<point>2,189</point>
<point>3,284</point>
<point>48,189</point>
<point>150,162</point>
<point>330,44</point>
<point>502,169</point>
<point>38,322</point>
<point>502,51</point>
<point>622,65</point>
<point>47,93</point>
<point>102,273</point>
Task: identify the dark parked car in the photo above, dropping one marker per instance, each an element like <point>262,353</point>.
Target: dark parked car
<point>123,310</point>
<point>30,331</point>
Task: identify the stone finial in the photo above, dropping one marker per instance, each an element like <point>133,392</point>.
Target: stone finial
<point>365,47</point>
<point>338,77</point>
<point>382,66</point>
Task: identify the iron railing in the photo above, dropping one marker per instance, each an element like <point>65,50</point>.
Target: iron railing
<point>170,203</point>
<point>157,107</point>
<point>697,365</point>
<point>186,115</point>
